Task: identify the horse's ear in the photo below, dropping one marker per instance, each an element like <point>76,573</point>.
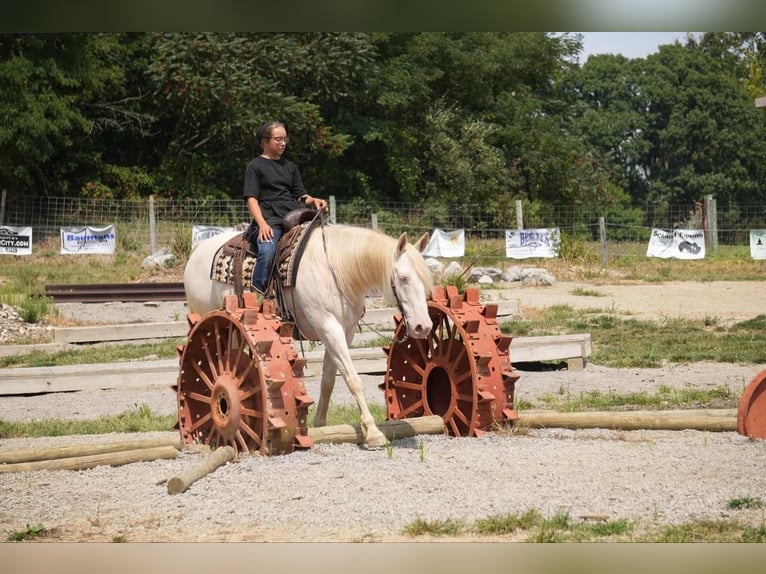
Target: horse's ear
<point>401,244</point>
<point>422,243</point>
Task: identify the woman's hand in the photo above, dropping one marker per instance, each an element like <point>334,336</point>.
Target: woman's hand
<point>319,204</point>
<point>265,233</point>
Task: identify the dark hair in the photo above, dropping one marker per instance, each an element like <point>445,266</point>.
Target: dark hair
<point>265,130</point>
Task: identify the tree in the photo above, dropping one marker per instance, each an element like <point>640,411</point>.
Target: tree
<point>218,88</point>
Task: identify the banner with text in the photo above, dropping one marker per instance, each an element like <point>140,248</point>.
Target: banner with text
<point>200,232</point>
<point>446,244</point>
<point>15,240</point>
<point>679,243</point>
<point>758,243</point>
<point>88,240</point>
<point>525,243</point>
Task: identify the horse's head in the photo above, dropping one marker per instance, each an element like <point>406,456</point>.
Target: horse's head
<point>411,284</point>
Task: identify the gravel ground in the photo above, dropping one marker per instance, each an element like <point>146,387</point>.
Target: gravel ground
<point>348,493</point>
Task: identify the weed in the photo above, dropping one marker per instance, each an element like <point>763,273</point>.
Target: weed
<point>438,527</point>
<point>421,450</point>
<point>754,534</point>
<point>586,292</point>
<point>30,533</point>
<point>745,502</point>
<point>508,523</point>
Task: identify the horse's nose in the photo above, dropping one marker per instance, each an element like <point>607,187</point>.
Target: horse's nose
<point>420,330</point>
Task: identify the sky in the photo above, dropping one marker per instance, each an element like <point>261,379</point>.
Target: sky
<point>629,44</point>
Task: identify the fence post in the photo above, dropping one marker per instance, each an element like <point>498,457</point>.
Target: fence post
<point>602,238</point>
<point>152,226</point>
<point>2,206</point>
<point>711,223</point>
<point>332,209</point>
<point>519,216</point>
<point>375,221</point>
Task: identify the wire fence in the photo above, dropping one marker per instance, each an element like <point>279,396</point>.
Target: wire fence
<point>158,222</point>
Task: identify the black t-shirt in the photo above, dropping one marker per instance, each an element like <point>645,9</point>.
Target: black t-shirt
<point>276,184</point>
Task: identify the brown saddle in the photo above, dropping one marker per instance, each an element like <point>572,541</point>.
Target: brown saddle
<point>235,260</point>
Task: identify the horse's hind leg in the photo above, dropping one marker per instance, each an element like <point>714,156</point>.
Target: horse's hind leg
<point>327,384</point>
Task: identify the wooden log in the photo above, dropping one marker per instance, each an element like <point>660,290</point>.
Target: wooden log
<point>697,419</point>
<point>52,453</point>
<point>432,424</point>
<point>212,461</point>
<point>83,462</point>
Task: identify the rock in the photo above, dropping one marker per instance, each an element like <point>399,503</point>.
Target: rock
<point>454,268</point>
<point>436,266</point>
<point>162,258</point>
<point>492,272</point>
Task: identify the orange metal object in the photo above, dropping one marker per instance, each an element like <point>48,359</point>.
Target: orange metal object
<point>751,415</point>
<point>462,371</point>
<point>240,381</point>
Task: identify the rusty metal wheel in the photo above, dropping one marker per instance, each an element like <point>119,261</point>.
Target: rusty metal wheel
<point>240,381</point>
<point>462,371</point>
<point>751,414</point>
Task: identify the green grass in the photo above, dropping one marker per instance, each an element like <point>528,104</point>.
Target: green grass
<point>445,527</point>
<point>532,526</point>
<point>620,342</point>
<point>664,398</point>
<point>102,353</point>
<point>143,419</point>
<point>140,419</point>
<point>31,532</point>
<point>745,502</point>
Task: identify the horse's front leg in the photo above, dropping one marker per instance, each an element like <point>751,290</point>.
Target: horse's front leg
<point>327,383</point>
<point>373,438</point>
<point>337,346</point>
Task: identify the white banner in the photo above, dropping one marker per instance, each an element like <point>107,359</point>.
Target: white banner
<point>679,243</point>
<point>521,244</point>
<point>200,232</point>
<point>88,240</point>
<point>758,243</point>
<point>446,244</point>
<point>15,240</point>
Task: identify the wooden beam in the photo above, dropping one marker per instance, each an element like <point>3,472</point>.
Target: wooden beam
<point>126,332</point>
<point>211,462</point>
<point>697,419</point>
<point>82,462</point>
<point>52,453</point>
<point>370,360</point>
<point>432,424</point>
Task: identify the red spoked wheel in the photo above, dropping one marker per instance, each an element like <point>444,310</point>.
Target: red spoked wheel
<point>751,414</point>
<point>462,371</point>
<point>240,381</point>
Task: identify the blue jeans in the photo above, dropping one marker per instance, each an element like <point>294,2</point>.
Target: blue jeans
<point>264,260</point>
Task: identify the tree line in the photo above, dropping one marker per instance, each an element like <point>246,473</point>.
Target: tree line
<point>423,118</point>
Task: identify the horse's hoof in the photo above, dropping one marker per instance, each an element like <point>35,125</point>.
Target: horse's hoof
<point>376,443</point>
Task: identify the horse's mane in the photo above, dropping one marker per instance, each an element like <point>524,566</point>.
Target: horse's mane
<point>363,259</point>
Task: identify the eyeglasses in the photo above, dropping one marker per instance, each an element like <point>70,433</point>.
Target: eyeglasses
<point>280,139</point>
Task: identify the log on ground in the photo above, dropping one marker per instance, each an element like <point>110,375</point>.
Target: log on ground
<point>696,419</point>
<point>84,462</point>
<point>392,429</point>
<point>52,453</point>
<point>189,476</point>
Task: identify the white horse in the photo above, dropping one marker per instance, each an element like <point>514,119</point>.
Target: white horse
<point>340,266</point>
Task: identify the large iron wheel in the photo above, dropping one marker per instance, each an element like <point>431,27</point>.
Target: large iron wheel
<point>240,382</point>
<point>751,414</point>
<point>461,371</point>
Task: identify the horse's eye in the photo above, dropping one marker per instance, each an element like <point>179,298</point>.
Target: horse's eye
<point>404,279</point>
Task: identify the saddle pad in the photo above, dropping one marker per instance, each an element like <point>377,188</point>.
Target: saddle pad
<point>223,267</point>
<point>291,246</point>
